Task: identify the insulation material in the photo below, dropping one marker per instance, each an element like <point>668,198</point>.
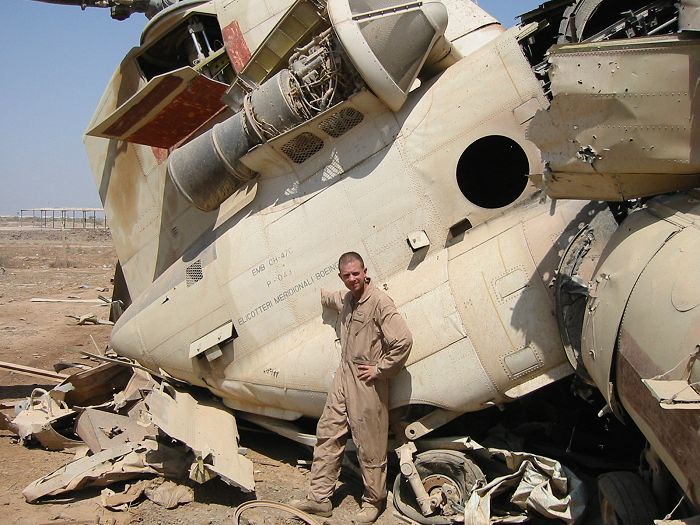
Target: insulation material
<point>536,484</point>
<point>164,493</point>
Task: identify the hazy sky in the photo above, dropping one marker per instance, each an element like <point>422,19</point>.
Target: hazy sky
<point>57,62</point>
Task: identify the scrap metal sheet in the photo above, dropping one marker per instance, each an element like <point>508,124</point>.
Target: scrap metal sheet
<point>101,430</point>
<point>208,428</point>
<point>125,461</point>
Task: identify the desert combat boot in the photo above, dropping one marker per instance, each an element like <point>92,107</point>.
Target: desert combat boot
<point>323,508</point>
<point>368,514</point>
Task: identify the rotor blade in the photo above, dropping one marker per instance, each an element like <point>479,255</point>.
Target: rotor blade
<point>81,3</point>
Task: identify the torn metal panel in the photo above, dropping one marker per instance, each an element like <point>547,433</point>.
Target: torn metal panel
<point>66,365</point>
<point>168,494</point>
<point>127,461</point>
<point>79,473</point>
<point>90,319</point>
<point>673,394</point>
<point>102,430</point>
<point>166,111</point>
<point>96,386</point>
<point>123,500</point>
<point>673,389</point>
<point>613,131</point>
<point>695,520</point>
<point>137,388</point>
<point>208,428</point>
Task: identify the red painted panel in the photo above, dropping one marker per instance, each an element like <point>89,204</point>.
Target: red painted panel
<point>236,47</point>
<point>184,114</point>
<point>141,109</point>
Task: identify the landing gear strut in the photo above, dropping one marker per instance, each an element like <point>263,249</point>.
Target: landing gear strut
<point>434,488</point>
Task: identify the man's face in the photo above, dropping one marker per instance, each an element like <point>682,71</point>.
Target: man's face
<point>353,276</point>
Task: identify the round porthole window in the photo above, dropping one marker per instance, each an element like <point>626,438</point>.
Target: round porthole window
<point>492,171</point>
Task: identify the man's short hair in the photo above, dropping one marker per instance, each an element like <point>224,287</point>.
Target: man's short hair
<point>349,257</point>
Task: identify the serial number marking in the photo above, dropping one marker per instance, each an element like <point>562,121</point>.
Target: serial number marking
<point>289,292</point>
<point>274,261</point>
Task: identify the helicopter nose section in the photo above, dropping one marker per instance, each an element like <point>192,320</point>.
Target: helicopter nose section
<point>126,338</point>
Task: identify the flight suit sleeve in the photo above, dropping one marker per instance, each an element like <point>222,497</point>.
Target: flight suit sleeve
<point>397,337</point>
<point>333,300</point>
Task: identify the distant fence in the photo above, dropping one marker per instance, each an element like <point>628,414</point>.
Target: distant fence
<point>64,217</point>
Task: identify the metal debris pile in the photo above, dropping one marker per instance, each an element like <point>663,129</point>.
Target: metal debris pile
<point>125,424</point>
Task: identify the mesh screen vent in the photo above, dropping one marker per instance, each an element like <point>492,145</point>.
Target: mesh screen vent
<point>302,147</point>
<point>193,273</point>
<point>341,122</point>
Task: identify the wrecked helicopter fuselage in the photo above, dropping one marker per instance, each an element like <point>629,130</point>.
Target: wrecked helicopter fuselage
<point>238,152</point>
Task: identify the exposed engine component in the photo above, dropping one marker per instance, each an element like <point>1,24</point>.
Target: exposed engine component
<point>207,170</point>
<point>196,41</point>
<point>596,21</point>
<point>320,75</point>
<point>589,20</point>
<point>314,82</point>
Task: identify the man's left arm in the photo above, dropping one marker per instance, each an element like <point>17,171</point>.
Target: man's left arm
<point>397,336</point>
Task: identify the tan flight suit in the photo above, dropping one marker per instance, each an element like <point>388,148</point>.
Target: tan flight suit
<point>371,332</point>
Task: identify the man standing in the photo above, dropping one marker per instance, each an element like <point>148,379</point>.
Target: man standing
<point>375,343</point>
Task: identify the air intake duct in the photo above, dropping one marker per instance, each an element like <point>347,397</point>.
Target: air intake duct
<point>390,41</point>
<point>207,170</point>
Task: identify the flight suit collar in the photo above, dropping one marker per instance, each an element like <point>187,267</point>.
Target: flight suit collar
<point>369,289</point>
